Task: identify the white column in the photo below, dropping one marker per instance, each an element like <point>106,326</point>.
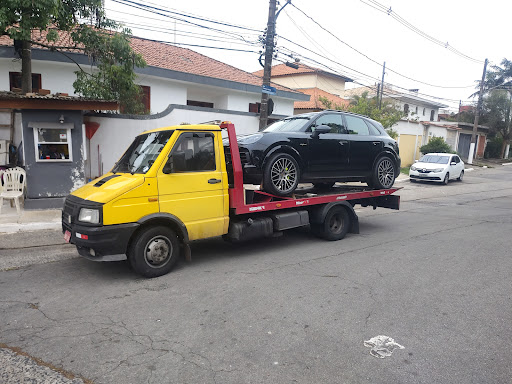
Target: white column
<point>507,149</point>
<point>471,153</point>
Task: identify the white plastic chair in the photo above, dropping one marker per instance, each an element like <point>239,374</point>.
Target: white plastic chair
<point>14,186</point>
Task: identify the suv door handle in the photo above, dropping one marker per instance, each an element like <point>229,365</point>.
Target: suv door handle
<point>343,142</point>
<point>214,181</point>
<point>376,142</point>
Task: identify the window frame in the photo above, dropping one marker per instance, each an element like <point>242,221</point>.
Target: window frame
<point>35,76</point>
<point>186,135</point>
<point>68,141</point>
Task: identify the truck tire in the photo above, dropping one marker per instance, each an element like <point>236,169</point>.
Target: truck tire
<point>281,174</point>
<point>335,225</point>
<point>154,251</point>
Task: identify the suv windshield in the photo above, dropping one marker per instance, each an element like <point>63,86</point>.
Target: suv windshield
<point>290,124</point>
<point>142,153</point>
<point>435,159</point>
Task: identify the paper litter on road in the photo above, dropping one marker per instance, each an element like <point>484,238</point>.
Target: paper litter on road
<point>382,346</point>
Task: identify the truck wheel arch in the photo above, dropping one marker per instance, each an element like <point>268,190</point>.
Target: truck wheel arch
<point>317,214</point>
<point>165,219</point>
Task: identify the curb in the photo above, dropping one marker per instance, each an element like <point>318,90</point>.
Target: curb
<point>29,227</point>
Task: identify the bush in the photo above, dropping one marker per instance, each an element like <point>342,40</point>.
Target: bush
<point>436,145</point>
<point>493,148</point>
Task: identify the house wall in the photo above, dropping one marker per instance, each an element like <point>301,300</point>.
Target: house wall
<point>420,116</point>
<point>116,132</point>
<point>49,182</point>
<point>59,77</point>
<point>312,80</point>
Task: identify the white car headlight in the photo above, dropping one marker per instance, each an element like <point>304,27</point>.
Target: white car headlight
<point>438,170</point>
<point>413,168</point>
<point>88,215</point>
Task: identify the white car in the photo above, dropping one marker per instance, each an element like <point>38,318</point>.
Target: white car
<point>440,167</point>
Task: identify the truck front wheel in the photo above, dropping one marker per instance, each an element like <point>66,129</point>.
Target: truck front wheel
<point>335,225</point>
<point>154,251</point>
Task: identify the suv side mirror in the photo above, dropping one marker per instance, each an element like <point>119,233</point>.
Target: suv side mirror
<point>319,130</point>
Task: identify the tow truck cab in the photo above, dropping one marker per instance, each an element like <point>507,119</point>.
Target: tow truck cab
<point>174,177</point>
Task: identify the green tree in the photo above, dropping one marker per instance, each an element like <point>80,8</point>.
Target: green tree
<point>105,42</point>
<point>497,103</point>
<point>388,115</point>
<point>436,145</point>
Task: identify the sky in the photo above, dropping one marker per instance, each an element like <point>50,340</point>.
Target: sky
<point>347,37</point>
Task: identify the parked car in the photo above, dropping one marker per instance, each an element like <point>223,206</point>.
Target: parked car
<point>440,167</point>
<point>320,148</point>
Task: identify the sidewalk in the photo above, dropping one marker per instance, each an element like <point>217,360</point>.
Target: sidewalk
<point>28,221</point>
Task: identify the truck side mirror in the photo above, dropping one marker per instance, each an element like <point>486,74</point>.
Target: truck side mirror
<point>319,130</point>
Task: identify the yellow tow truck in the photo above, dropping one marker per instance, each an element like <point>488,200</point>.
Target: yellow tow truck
<point>173,186</point>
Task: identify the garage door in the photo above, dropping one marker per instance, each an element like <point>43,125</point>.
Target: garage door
<point>409,145</point>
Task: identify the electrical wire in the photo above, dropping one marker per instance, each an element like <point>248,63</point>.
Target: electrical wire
<point>169,10</point>
<point>381,8</point>
<point>374,61</point>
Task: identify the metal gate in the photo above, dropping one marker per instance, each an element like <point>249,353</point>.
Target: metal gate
<point>463,147</point>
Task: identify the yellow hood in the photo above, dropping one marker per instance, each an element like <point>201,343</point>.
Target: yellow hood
<point>108,187</point>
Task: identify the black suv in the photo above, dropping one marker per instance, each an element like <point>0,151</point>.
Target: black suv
<point>319,148</point>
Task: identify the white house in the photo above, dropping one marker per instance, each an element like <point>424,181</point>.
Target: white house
<point>179,86</point>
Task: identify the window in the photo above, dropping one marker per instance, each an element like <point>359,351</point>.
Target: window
<point>456,159</point>
<point>423,111</point>
<point>193,152</point>
<point>416,110</point>
<point>199,104</point>
<point>432,114</point>
<point>53,145</point>
<point>356,126</point>
<point>146,98</point>
<point>406,108</point>
<point>254,107</point>
<point>15,81</point>
<point>373,130</point>
<point>335,121</point>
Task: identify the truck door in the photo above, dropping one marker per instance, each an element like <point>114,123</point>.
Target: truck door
<point>192,186</point>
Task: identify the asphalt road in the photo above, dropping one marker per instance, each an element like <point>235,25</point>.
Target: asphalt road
<point>435,276</point>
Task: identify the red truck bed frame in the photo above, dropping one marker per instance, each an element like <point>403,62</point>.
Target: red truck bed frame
<point>263,201</point>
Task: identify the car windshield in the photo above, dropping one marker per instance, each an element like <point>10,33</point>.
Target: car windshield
<point>290,124</point>
<point>142,153</point>
<point>435,159</point>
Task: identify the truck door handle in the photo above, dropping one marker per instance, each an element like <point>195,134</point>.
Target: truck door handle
<point>214,181</point>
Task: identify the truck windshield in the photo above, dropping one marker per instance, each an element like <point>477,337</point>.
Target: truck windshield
<point>142,153</point>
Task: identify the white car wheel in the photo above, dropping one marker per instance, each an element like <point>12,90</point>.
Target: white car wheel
<point>446,178</point>
<point>461,176</point>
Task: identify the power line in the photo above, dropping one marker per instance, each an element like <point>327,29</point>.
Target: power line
<point>374,61</point>
<point>169,10</point>
<point>381,8</point>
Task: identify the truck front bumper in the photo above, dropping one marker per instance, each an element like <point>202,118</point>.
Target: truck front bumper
<point>104,243</point>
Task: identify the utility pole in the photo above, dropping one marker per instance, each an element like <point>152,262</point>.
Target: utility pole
<point>269,51</point>
<point>382,85</point>
<point>477,113</point>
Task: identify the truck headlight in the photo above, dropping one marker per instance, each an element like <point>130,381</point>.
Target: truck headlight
<point>88,215</point>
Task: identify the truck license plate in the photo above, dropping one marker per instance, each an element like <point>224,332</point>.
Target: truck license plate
<point>67,236</point>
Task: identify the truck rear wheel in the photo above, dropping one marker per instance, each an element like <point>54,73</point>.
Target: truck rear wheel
<point>154,251</point>
<point>335,225</point>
